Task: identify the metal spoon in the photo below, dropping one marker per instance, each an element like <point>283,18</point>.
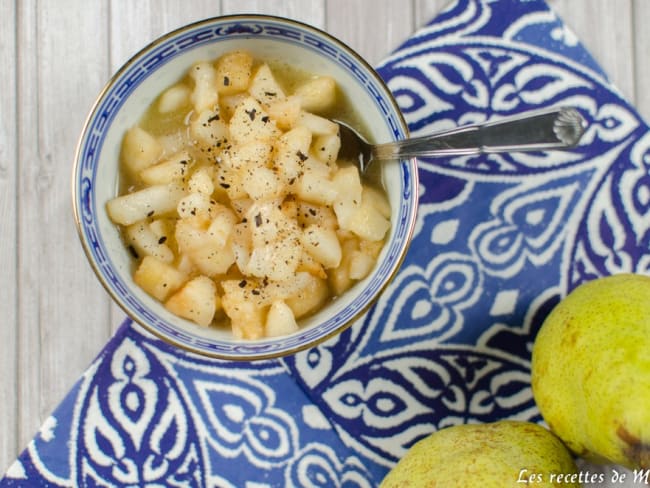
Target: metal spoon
<point>536,130</point>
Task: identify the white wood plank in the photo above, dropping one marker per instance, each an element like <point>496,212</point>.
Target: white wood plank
<point>133,25</point>
<point>62,311</point>
<point>8,242</point>
<point>640,17</point>
<point>374,28</point>
<point>312,12</point>
<point>604,27</point>
<point>426,10</point>
<point>29,385</point>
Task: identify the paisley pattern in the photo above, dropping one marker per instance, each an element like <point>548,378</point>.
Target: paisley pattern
<point>146,415</point>
<point>500,238</point>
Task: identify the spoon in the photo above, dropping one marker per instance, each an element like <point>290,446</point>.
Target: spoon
<point>536,130</point>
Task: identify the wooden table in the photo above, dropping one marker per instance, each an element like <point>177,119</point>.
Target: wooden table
<point>56,56</point>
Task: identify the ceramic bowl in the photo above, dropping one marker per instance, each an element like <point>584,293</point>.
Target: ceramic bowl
<point>124,100</point>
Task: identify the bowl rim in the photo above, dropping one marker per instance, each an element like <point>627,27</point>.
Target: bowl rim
<point>76,190</point>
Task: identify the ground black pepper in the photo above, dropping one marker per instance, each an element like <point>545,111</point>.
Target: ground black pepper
<point>251,113</point>
<point>133,252</point>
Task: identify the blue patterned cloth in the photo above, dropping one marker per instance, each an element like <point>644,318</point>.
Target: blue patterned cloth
<point>500,239</point>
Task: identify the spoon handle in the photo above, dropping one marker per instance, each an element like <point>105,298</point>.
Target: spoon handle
<point>537,130</point>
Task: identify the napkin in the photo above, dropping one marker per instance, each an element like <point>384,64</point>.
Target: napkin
<point>499,240</point>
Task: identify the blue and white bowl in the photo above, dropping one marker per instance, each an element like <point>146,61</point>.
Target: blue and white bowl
<point>160,64</point>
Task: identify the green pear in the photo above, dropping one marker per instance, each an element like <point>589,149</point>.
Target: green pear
<point>495,455</point>
<point>591,370</point>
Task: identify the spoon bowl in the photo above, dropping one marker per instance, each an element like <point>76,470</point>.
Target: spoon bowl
<point>536,130</point>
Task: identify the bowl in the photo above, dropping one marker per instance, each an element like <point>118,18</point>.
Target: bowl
<point>124,100</point>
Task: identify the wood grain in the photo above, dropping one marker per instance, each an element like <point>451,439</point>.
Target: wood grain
<point>641,57</point>
<point>311,12</point>
<point>605,28</point>
<point>62,311</point>
<point>373,32</point>
<point>9,284</point>
<point>56,317</point>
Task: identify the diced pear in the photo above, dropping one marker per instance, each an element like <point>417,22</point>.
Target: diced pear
<point>246,290</point>
<point>310,265</point>
<point>205,95</point>
<point>208,130</point>
<point>173,142</point>
<point>339,278</point>
<point>222,226</point>
<point>185,265</point>
<point>297,139</point>
<point>198,232</point>
<point>318,94</point>
<point>323,245</point>
<point>316,124</point>
<point>280,320</point>
<point>250,155</point>
<point>242,303</point>
<point>232,181</point>
<point>349,194</point>
<point>285,112</point>
<point>196,204</point>
<point>360,265</point>
<point>195,301</point>
<point>229,103</point>
<point>172,169</point>
<point>292,149</point>
<point>201,181</point>
<point>310,213</point>
<point>263,184</point>
<point>289,208</point>
<point>139,150</point>
<point>377,199</point>
<point>250,122</point>
<point>368,223</point>
<point>326,148</point>
<point>283,290</point>
<point>264,87</point>
<point>174,98</point>
<point>268,223</point>
<point>155,200</point>
<point>371,248</point>
<point>246,320</point>
<point>241,245</point>
<point>147,243</point>
<point>241,206</point>
<point>276,261</point>
<point>163,228</point>
<point>233,72</point>
<point>313,293</point>
<point>191,234</point>
<point>316,187</point>
<point>157,278</point>
<point>212,261</point>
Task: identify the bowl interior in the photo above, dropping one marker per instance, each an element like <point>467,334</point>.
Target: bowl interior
<point>132,90</point>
